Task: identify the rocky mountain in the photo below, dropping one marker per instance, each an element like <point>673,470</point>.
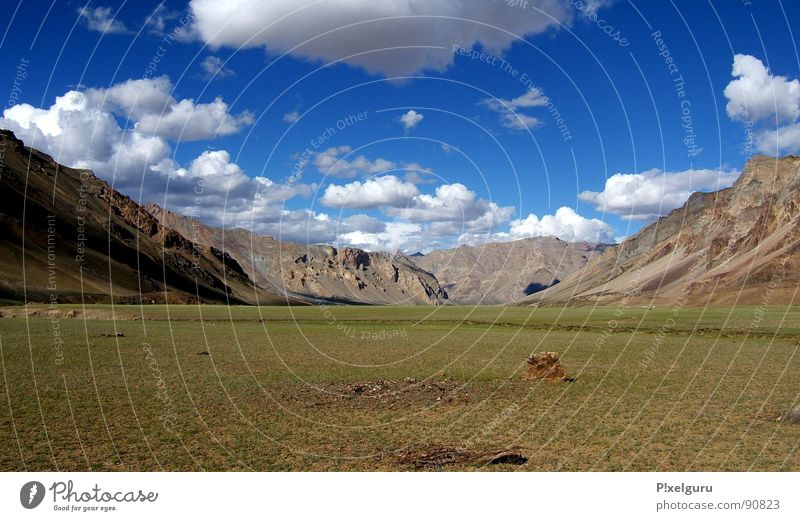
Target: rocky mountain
<point>346,275</point>
<point>67,236</point>
<point>740,245</point>
<point>504,272</point>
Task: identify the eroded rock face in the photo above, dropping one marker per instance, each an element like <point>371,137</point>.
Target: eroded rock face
<point>347,275</point>
<point>353,275</point>
<point>723,247</point>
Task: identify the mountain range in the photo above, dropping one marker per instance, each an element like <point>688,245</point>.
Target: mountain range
<point>67,236</point>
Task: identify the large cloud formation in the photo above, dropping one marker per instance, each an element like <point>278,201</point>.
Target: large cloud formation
<point>756,94</point>
<point>769,103</point>
<point>81,129</point>
<point>386,190</point>
<point>654,192</point>
<point>91,130</point>
<point>390,37</point>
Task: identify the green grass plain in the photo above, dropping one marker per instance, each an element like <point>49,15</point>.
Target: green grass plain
<point>655,389</point>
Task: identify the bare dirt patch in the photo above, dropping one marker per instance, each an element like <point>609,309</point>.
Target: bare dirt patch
<point>59,313</point>
<point>441,456</point>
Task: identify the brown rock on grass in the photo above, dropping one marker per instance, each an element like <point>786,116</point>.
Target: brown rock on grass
<point>545,366</point>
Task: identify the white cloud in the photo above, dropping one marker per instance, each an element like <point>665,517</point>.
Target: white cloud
<point>510,116</point>
<point>415,37</point>
<point>80,130</point>
<point>190,121</point>
<point>78,133</point>
<point>334,162</point>
<point>411,119</point>
<point>452,203</point>
<point>396,236</point>
<point>566,224</point>
<point>425,222</point>
<point>102,20</point>
<point>150,104</point>
<point>782,140</point>
<point>757,94</point>
<point>214,67</point>
<point>519,121</point>
<point>291,117</point>
<point>386,190</point>
<point>133,99</point>
<point>654,192</point>
<point>364,223</point>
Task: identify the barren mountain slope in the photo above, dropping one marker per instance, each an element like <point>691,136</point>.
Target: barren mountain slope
<point>67,236</point>
<point>505,272</point>
<point>738,245</point>
<point>316,271</point>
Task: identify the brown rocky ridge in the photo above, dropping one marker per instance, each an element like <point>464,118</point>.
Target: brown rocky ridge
<point>315,272</point>
<point>740,245</point>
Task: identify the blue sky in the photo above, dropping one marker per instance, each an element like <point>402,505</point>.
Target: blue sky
<point>394,126</point>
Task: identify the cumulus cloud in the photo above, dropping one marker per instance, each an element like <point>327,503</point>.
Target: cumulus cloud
<point>80,129</point>
<point>757,94</point>
<point>190,121</point>
<point>769,103</point>
<point>452,203</point>
<point>509,109</point>
<point>214,67</point>
<point>386,190</point>
<point>654,192</point>
<point>335,162</point>
<point>422,221</point>
<point>78,133</point>
<point>411,119</point>
<point>150,105</point>
<point>412,37</point>
<point>778,141</point>
<point>217,191</point>
<point>566,224</point>
<point>396,236</point>
<point>452,210</point>
<point>102,20</point>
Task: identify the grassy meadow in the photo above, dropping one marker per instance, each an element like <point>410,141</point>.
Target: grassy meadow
<point>376,388</point>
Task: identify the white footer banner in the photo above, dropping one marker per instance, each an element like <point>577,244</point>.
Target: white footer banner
<point>354,496</point>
